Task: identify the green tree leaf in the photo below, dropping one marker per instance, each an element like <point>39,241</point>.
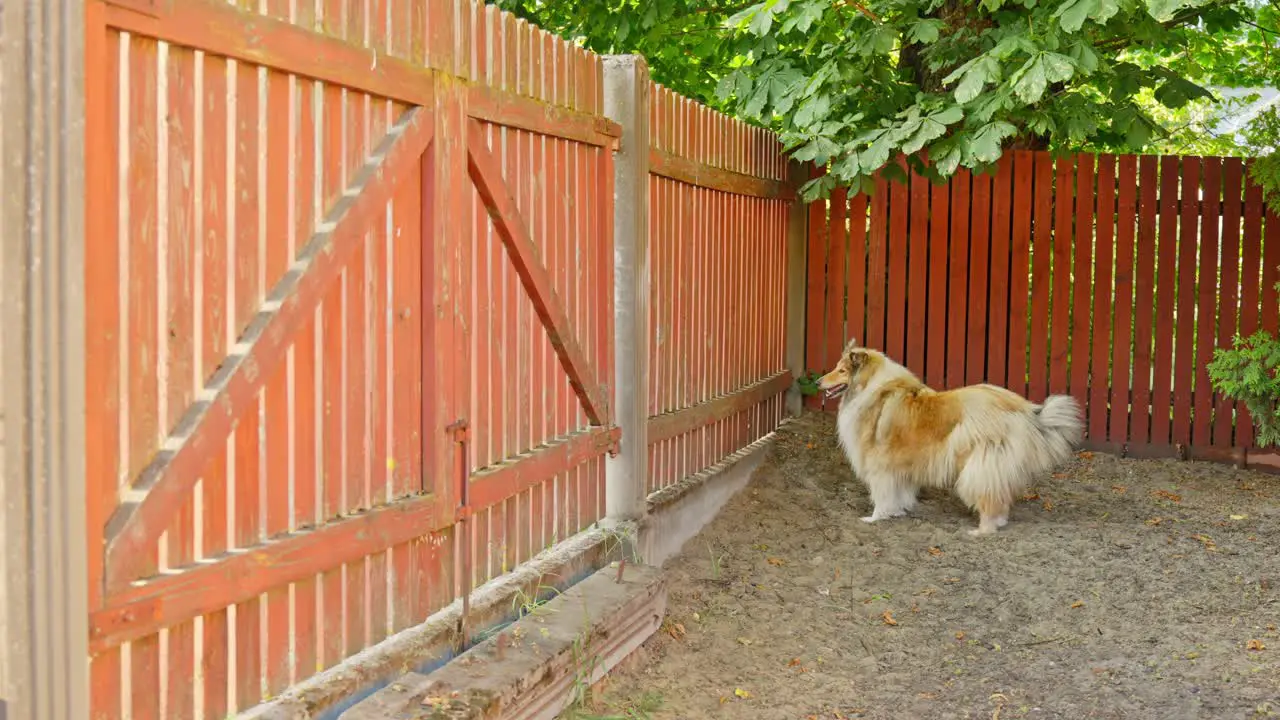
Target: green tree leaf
<point>1073,13</point>
<point>986,145</point>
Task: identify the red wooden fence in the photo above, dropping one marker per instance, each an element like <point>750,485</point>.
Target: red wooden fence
<point>717,259</point>
<point>333,247</point>
<point>1109,278</point>
<point>293,292</point>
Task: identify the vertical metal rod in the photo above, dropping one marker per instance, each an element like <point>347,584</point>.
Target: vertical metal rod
<point>459,430</point>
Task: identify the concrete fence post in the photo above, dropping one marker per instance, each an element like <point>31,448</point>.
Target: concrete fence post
<point>626,102</point>
<point>44,655</point>
<point>797,243</point>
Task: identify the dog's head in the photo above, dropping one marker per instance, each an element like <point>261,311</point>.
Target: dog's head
<point>852,371</point>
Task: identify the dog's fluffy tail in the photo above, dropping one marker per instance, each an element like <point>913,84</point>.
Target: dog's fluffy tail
<point>1061,422</point>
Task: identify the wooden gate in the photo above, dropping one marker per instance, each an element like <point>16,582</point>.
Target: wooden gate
<point>332,384</point>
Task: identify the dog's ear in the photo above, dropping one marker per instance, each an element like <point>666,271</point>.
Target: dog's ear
<point>857,358</point>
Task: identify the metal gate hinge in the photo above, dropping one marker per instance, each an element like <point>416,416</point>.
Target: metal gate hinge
<point>459,430</point>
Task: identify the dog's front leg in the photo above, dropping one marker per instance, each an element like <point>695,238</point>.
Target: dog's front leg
<point>889,499</point>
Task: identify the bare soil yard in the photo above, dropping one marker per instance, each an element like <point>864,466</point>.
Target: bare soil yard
<point>1120,589</point>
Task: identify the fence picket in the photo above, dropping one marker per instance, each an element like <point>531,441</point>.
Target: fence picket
<point>958,292</point>
<point>1207,290</point>
<point>1189,201</point>
<point>815,305</point>
<point>1224,410</point>
<point>1040,327</point>
<point>877,266</point>
<point>936,333</point>
<point>1121,369</point>
<point>1019,270</point>
<point>836,253</point>
<point>1144,304</point>
<point>895,341</point>
<point>1060,291</point>
<point>917,287</point>
<point>999,280</point>
<point>856,311</point>
<point>1082,282</point>
<point>1100,377</point>
<point>975,341</point>
<point>1166,290</point>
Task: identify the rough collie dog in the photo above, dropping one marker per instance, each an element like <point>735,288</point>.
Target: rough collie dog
<point>982,441</point>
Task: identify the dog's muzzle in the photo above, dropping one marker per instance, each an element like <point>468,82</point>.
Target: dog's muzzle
<point>835,392</point>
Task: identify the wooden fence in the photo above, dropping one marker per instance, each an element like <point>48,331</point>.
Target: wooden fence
<point>718,239</point>
<point>332,386</point>
<point>1109,278</point>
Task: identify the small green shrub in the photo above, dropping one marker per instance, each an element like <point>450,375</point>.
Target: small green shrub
<point>1249,372</point>
<point>809,384</point>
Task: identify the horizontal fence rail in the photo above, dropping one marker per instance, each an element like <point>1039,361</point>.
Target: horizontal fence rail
<point>1109,278</point>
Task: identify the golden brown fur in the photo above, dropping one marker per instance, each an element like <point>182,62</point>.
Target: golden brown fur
<point>983,442</point>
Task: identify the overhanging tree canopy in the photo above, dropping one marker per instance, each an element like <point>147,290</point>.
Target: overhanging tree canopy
<point>851,83</point>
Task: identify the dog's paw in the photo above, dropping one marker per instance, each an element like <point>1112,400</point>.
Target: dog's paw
<point>981,532</point>
<point>870,519</point>
<point>1002,521</point>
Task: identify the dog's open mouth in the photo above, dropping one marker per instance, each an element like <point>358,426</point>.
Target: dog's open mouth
<point>836,391</point>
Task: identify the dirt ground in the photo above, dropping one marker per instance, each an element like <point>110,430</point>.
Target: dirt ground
<point>1120,589</point>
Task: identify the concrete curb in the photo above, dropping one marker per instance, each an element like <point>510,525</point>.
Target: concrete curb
<point>535,668</point>
<point>429,645</point>
<point>679,512</point>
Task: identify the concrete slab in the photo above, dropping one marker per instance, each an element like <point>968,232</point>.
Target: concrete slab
<point>536,667</point>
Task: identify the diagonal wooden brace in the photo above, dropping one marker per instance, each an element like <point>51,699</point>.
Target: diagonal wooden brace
<point>486,173</point>
<point>148,505</point>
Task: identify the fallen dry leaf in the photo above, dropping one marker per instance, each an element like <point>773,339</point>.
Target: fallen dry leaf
<point>1166,495</point>
<point>810,446</point>
<point>676,630</point>
<point>936,552</point>
<point>793,662</point>
<point>1239,517</point>
<point>1271,627</point>
<point>888,618</point>
<point>1048,506</point>
<point>1153,522</point>
<point>743,641</point>
<point>928,696</point>
<point>1077,604</point>
<point>1255,645</point>
<point>777,562</point>
<point>1119,489</point>
<point>1059,475</point>
<point>960,635</point>
<point>1031,497</point>
<point>1207,541</point>
<point>1085,455</point>
<point>741,693</point>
